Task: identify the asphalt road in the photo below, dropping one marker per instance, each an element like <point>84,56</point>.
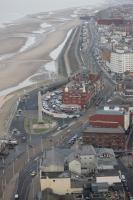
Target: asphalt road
<point>61,139</point>
<point>128,172</point>
<point>25,179</point>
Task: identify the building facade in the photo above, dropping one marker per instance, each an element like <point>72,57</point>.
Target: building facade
<point>62,170</point>
<point>121,61</point>
<point>110,118</point>
<point>83,160</point>
<point>59,185</point>
<point>105,137</point>
<point>83,87</point>
<point>108,176</point>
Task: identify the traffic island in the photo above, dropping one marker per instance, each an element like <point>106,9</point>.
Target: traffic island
<point>32,125</point>
<point>43,127</point>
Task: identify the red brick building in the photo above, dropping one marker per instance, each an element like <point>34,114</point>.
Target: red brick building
<point>79,96</point>
<point>121,24</point>
<point>110,118</point>
<point>105,137</point>
<point>82,88</point>
<point>108,22</point>
<point>127,27</point>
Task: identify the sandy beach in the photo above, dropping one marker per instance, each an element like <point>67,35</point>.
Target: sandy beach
<point>26,46</point>
<point>25,62</point>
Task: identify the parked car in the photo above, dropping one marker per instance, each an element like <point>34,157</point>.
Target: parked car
<point>16,196</point>
<point>33,173</point>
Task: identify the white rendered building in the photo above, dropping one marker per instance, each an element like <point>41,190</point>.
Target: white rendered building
<point>121,61</point>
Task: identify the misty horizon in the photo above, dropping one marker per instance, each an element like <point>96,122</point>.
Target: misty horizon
<point>17,9</point>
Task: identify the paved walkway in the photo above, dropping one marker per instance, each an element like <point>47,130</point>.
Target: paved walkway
<point>10,188</point>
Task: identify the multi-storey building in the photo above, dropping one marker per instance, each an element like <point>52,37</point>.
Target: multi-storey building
<point>125,87</point>
<point>105,137</point>
<point>82,89</point>
<point>121,61</point>
<point>108,22</point>
<point>111,118</point>
<point>62,170</point>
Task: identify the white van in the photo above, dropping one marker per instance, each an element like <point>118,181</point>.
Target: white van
<point>123,178</point>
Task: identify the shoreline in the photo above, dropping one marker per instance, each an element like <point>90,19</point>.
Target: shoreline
<point>53,55</point>
<point>33,62</point>
<point>32,59</point>
<point>18,17</point>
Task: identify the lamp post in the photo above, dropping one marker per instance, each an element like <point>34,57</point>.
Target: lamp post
<point>28,156</point>
<point>41,144</point>
<point>33,189</point>
<point>3,179</point>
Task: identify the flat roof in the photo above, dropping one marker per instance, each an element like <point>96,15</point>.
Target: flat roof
<point>110,112</point>
<point>81,151</point>
<point>70,106</point>
<point>104,130</point>
<point>75,183</point>
<point>101,151</point>
<point>56,174</point>
<point>106,162</point>
<point>55,156</point>
<point>106,172</point>
<point>106,157</point>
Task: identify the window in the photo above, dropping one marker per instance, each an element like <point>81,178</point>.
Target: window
<point>84,168</point>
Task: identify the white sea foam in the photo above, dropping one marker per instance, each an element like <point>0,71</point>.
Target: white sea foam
<point>51,12</point>
<point>40,16</point>
<point>45,25</point>
<point>40,31</point>
<point>29,43</point>
<point>55,53</point>
<point>62,19</point>
<point>23,84</point>
<point>51,66</point>
<point>96,11</point>
<point>17,9</point>
<point>73,15</point>
<point>29,81</point>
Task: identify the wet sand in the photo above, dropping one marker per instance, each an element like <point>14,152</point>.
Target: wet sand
<point>22,65</point>
<point>11,44</point>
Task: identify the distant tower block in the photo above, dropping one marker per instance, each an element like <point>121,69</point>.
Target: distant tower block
<point>40,118</point>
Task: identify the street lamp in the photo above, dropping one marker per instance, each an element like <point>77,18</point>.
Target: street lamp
<point>28,156</point>
<point>41,144</point>
<point>33,189</point>
<point>3,179</point>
